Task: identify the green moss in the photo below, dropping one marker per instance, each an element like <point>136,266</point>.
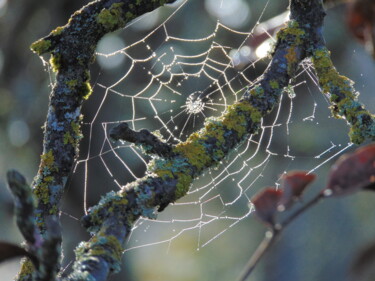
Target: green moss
<point>111,18</point>
<point>41,46</point>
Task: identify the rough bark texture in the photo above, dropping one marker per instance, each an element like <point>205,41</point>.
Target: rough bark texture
<point>169,176</point>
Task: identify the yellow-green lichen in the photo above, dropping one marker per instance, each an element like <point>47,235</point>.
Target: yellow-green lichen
<point>41,46</point>
<point>41,191</point>
<point>48,162</point>
<point>343,96</point>
<point>68,139</point>
<point>44,178</point>
<point>329,78</point>
<point>72,137</point>
<point>54,210</point>
<point>291,32</point>
<point>111,18</point>
<point>194,151</point>
<point>57,31</point>
<point>215,130</point>
<point>103,245</point>
<point>291,57</point>
<point>236,116</point>
<point>55,62</point>
<point>115,246</point>
<point>85,91</point>
<point>76,128</point>
<point>72,83</point>
<point>257,91</point>
<point>236,122</point>
<point>129,16</point>
<point>274,84</point>
<point>27,269</point>
<point>163,173</point>
<point>183,184</point>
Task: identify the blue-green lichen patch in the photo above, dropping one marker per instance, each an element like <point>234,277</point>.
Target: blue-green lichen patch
<point>107,204</point>
<point>292,33</point>
<point>104,246</point>
<point>176,168</point>
<point>343,97</point>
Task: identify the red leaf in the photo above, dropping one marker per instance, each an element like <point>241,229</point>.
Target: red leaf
<point>353,172</point>
<point>266,203</point>
<point>293,184</point>
<point>360,19</point>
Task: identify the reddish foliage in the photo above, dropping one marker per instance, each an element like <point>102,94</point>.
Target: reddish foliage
<point>266,203</point>
<point>361,18</point>
<point>293,184</point>
<point>353,172</point>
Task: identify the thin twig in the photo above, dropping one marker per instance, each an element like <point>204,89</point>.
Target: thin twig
<point>271,236</point>
<point>268,240</point>
<point>303,209</point>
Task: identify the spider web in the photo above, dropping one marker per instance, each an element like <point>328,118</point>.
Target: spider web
<point>168,81</point>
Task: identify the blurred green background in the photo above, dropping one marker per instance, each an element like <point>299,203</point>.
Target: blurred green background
<point>319,246</point>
